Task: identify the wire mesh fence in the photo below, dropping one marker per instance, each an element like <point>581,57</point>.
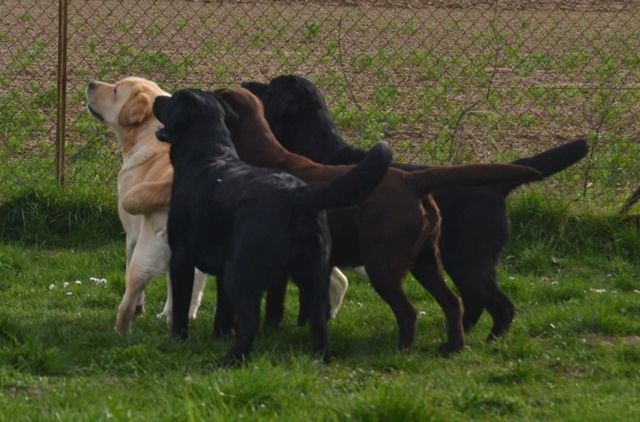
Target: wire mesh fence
<point>446,81</point>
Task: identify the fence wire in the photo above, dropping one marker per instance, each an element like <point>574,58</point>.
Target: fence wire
<point>446,81</point>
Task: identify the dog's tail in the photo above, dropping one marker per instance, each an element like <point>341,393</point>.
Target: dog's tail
<point>427,180</point>
<point>551,161</point>
<point>635,197</point>
<point>350,188</point>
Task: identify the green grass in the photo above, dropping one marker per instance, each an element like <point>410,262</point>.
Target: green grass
<point>423,81</point>
<point>572,353</point>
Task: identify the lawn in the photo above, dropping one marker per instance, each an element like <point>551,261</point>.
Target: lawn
<point>444,85</point>
<point>573,352</point>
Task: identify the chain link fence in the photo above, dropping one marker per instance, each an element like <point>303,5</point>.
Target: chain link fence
<point>446,81</point>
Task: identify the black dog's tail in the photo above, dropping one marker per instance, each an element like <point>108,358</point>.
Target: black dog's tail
<point>635,197</point>
<point>350,188</point>
<point>551,161</point>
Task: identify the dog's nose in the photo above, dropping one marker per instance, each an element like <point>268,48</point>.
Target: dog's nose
<point>92,85</point>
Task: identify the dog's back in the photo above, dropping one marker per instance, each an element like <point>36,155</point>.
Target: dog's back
<point>217,197</point>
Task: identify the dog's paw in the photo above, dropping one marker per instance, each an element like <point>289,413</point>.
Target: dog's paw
<point>231,360</point>
<point>193,311</point>
<point>222,331</point>
<point>166,316</point>
<point>122,330</point>
<point>450,348</point>
<point>303,319</point>
<point>325,356</point>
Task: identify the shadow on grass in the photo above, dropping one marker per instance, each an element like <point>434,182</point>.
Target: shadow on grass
<point>66,343</point>
<point>55,218</point>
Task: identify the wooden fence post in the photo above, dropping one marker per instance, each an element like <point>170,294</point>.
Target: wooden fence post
<point>62,90</point>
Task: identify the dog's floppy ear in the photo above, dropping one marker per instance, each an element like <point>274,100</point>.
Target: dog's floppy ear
<point>257,88</point>
<point>160,107</point>
<point>163,135</point>
<point>136,110</point>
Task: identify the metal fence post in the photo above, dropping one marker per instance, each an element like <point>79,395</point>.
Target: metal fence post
<point>62,90</point>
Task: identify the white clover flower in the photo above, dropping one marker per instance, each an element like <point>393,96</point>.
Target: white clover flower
<point>98,281</point>
<point>52,286</point>
<point>65,284</point>
<point>78,282</point>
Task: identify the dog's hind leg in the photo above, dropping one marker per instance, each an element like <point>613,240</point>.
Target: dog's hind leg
<point>315,297</point>
<point>471,284</point>
<point>274,307</point>
<point>225,313</point>
<point>149,258</point>
<point>182,271</point>
<point>387,278</point>
<point>140,306</point>
<point>130,243</point>
<point>502,311</point>
<point>479,289</point>
<point>426,270</point>
<point>246,302</point>
<point>473,309</point>
<point>199,283</point>
<point>338,285</point>
<point>168,303</point>
<point>311,273</point>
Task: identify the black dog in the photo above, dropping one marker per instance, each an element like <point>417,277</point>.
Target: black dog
<point>475,223</point>
<point>252,227</point>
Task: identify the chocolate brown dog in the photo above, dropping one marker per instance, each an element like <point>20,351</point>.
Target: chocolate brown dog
<point>393,231</point>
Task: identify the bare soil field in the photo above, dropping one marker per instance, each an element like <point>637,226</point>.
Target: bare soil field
<point>444,81</point>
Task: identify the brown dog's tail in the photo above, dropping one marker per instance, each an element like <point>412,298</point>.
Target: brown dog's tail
<point>635,197</point>
<point>350,188</point>
<point>428,180</point>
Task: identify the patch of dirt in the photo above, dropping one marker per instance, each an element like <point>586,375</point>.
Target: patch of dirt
<point>353,50</point>
<point>585,5</point>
